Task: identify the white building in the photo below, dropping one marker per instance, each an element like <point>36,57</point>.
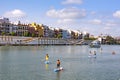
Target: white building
<point>66,34</point>
<point>5,26</point>
<point>51,32</point>
<point>4,20</point>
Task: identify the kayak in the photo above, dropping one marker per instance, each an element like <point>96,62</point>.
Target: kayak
<point>58,69</point>
<point>47,62</point>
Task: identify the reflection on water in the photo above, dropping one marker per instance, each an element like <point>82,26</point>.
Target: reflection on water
<point>58,76</point>
<point>46,66</point>
<point>92,60</point>
<point>27,63</point>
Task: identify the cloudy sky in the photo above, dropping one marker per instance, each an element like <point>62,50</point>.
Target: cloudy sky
<point>94,16</point>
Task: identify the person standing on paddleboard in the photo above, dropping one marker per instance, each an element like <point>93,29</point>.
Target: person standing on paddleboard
<point>46,57</point>
<point>58,63</point>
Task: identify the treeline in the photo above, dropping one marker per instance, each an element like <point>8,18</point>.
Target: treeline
<point>107,40</point>
<point>110,40</point>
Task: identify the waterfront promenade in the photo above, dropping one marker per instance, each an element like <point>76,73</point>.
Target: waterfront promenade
<point>15,40</point>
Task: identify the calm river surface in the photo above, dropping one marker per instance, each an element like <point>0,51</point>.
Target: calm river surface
<point>27,63</point>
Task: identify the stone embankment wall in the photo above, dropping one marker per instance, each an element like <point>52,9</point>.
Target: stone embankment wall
<point>15,40</point>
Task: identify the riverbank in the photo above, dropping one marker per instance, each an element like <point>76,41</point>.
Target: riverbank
<point>34,44</point>
<point>34,41</point>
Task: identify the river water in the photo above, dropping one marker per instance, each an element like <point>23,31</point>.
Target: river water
<point>27,63</point>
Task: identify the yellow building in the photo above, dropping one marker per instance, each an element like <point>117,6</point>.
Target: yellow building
<point>39,28</point>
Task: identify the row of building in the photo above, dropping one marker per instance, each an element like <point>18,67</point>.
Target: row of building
<point>37,30</point>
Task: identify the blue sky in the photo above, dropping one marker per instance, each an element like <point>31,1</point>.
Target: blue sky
<point>94,16</point>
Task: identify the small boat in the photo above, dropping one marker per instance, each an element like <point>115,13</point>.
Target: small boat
<point>95,44</point>
<point>58,69</point>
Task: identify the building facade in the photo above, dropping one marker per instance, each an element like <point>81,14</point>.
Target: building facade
<point>5,26</point>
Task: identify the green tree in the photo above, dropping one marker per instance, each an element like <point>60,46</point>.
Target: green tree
<point>89,38</point>
<point>110,40</point>
<point>59,35</point>
<point>13,33</point>
<point>26,34</point>
<point>3,33</point>
<point>33,35</point>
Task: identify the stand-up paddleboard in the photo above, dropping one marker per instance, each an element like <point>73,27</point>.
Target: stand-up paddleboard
<point>47,62</point>
<point>92,56</point>
<point>58,69</point>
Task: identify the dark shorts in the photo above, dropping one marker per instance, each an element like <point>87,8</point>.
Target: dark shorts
<point>58,65</point>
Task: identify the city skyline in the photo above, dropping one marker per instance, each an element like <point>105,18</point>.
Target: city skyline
<point>94,16</point>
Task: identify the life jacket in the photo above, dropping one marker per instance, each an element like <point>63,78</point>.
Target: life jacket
<point>47,57</point>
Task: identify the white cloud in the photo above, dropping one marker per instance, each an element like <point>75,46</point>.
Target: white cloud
<point>72,2</point>
<point>93,12</point>
<point>107,28</point>
<point>96,21</point>
<point>14,14</point>
<point>110,24</point>
<point>67,13</point>
<point>64,21</point>
<point>117,14</point>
